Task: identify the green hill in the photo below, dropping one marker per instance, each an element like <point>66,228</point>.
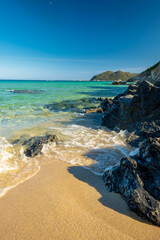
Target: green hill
<point>112,76</point>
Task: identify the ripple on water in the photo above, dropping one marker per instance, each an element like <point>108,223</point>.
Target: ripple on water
<point>40,107</point>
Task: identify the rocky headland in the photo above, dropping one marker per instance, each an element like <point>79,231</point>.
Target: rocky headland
<point>151,74</point>
<point>113,76</point>
<point>137,177</point>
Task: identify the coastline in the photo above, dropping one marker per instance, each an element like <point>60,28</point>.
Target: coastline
<point>63,201</point>
<point>79,120</point>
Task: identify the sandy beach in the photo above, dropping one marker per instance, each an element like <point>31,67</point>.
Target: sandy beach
<point>68,202</point>
<point>79,117</point>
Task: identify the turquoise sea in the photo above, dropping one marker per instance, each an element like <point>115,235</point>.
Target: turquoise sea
<point>32,108</point>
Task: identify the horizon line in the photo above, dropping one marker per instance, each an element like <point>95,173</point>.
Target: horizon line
<point>47,80</point>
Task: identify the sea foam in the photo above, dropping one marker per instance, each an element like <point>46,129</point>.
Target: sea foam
<point>93,149</point>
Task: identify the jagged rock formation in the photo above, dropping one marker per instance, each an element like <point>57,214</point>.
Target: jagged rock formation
<point>112,76</point>
<point>138,104</point>
<point>137,179</point>
<point>152,74</point>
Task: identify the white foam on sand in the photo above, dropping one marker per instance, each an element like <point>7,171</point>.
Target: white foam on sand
<point>15,167</point>
<point>93,149</point>
<point>3,191</point>
<point>6,154</point>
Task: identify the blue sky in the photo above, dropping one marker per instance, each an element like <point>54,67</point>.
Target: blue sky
<point>76,39</point>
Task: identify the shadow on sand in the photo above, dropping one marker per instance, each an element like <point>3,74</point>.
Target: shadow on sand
<point>109,200</point>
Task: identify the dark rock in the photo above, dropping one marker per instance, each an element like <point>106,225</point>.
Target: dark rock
<point>34,145</point>
<point>148,129</point>
<point>118,114</point>
<point>119,82</point>
<point>149,153</point>
<point>138,103</point>
<point>106,103</point>
<point>137,179</point>
<point>157,84</point>
<point>144,130</point>
<point>132,89</point>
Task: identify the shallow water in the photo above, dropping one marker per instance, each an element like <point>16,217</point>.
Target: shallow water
<point>31,108</point>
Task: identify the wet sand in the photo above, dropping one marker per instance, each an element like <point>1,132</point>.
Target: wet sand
<point>68,202</point>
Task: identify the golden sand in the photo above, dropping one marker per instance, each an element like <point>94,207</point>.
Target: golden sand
<point>65,202</point>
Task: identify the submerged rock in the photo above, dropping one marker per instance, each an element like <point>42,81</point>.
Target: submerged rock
<point>102,107</point>
<point>79,105</point>
<point>137,179</point>
<point>26,91</point>
<point>34,145</point>
<point>94,110</point>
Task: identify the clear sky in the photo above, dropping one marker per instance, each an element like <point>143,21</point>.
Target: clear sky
<point>76,39</point>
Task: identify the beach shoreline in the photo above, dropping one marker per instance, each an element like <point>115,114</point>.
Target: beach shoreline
<point>64,201</point>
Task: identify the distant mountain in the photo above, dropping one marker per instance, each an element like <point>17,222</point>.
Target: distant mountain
<point>151,74</point>
<point>112,76</point>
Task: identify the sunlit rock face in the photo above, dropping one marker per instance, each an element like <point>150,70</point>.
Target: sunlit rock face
<point>152,74</point>
<point>139,103</point>
<point>155,74</point>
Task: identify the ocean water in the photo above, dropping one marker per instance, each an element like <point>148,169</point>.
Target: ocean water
<point>32,108</point>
